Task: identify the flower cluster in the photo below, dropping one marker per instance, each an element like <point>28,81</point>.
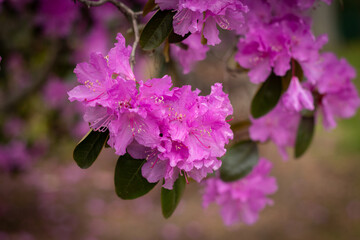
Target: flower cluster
<point>204,16</point>
<point>243,199</point>
<point>177,131</point>
<point>279,126</point>
<point>328,91</point>
<point>331,80</point>
<point>280,40</point>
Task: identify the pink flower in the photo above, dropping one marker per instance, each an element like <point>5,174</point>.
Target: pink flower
<point>297,98</point>
<point>242,200</point>
<point>195,51</point>
<point>55,92</point>
<point>341,104</point>
<point>97,40</point>
<point>194,133</point>
<point>15,157</point>
<point>331,78</point>
<point>279,126</point>
<point>276,32</point>
<point>264,48</point>
<point>335,73</point>
<point>192,16</point>
<point>57,16</point>
<point>177,131</point>
<point>96,80</point>
<point>102,74</point>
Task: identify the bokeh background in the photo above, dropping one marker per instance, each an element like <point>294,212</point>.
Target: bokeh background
<point>44,195</point>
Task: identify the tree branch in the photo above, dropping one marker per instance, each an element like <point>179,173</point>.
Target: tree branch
<point>129,13</point>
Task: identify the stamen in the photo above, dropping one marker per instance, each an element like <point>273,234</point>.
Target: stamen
<point>229,119</point>
<point>103,123</point>
<point>186,178</point>
<point>94,98</point>
<point>154,162</point>
<point>200,141</point>
<point>132,127</point>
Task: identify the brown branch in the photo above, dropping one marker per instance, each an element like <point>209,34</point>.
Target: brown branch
<point>129,13</point>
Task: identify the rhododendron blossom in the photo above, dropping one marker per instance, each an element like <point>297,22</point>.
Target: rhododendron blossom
<point>57,16</point>
<point>204,16</point>
<point>338,96</point>
<point>242,200</point>
<point>189,52</point>
<point>177,130</point>
<point>279,126</point>
<point>174,130</point>
<point>297,98</point>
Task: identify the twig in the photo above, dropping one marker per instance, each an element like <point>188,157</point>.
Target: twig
<point>129,13</point>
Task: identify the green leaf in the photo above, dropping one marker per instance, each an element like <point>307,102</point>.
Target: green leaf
<point>176,38</point>
<point>157,30</point>
<point>298,70</point>
<point>149,6</point>
<point>304,135</point>
<point>171,198</point>
<point>89,148</point>
<point>267,96</point>
<point>286,80</point>
<point>295,69</point>
<point>129,182</point>
<point>239,161</point>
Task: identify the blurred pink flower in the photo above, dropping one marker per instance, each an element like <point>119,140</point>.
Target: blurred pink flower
<point>242,200</point>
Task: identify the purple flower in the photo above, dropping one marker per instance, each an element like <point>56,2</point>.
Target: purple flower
<point>96,80</point>
<point>15,157</point>
<point>279,126</point>
<point>263,49</point>
<point>109,91</point>
<point>95,41</point>
<point>102,74</point>
<point>271,40</point>
<point>57,16</point>
<point>242,200</point>
<point>334,75</point>
<point>194,51</point>
<point>177,131</point>
<point>343,104</point>
<point>331,79</point>
<point>297,98</point>
<point>192,16</point>
<point>194,133</point>
<point>55,92</point>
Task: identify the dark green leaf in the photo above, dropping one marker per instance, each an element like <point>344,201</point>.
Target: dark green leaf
<point>176,38</point>
<point>304,135</point>
<point>295,69</point>
<point>241,125</point>
<point>298,70</point>
<point>238,161</point>
<point>286,81</point>
<point>129,182</point>
<point>149,6</point>
<point>267,96</point>
<point>157,30</point>
<point>171,198</point>
<point>89,148</point>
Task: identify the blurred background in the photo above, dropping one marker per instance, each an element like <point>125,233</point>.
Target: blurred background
<point>44,195</point>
